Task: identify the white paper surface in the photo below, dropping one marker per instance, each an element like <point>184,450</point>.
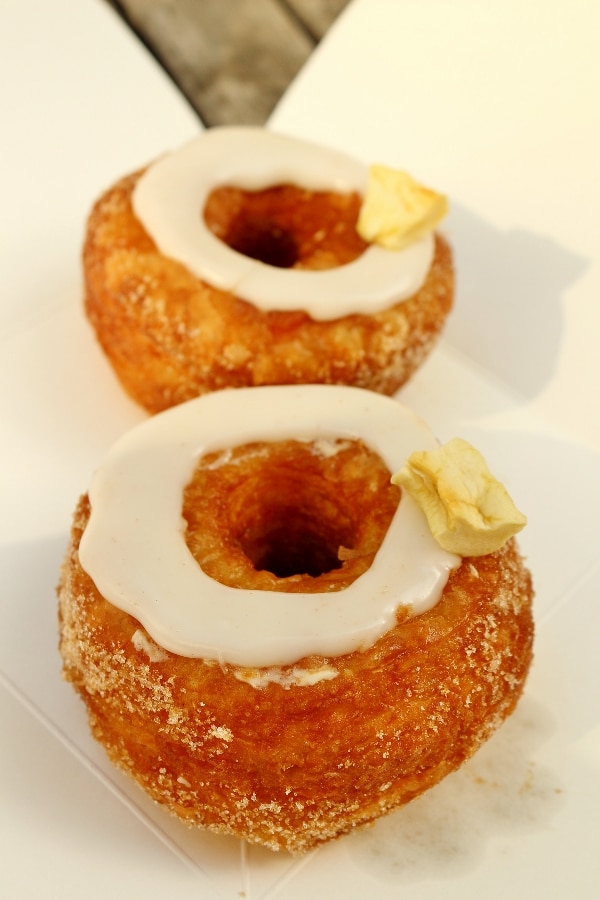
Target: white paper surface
<point>497,105</point>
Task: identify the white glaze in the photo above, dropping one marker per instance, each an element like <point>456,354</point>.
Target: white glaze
<point>170,196</point>
<point>142,642</point>
<point>286,678</point>
<point>134,545</point>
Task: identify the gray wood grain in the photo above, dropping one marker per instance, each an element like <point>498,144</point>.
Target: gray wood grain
<point>232,59</point>
<point>317,16</point>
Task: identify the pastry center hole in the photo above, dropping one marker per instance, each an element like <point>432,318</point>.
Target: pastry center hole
<point>291,539</point>
<point>288,541</point>
<point>286,226</point>
<point>289,515</point>
<point>259,237</point>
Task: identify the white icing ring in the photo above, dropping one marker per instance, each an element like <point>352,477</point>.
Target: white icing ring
<point>170,196</point>
<point>134,545</point>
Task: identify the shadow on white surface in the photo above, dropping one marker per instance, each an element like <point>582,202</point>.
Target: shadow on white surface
<point>511,293</point>
<point>498,794</point>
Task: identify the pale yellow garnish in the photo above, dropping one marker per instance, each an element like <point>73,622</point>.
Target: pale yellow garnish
<point>469,512</point>
<point>397,210</point>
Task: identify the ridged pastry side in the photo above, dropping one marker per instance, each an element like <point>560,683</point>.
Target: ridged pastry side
<point>170,336</point>
<point>291,766</point>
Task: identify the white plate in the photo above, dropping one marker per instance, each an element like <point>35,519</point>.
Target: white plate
<point>495,103</point>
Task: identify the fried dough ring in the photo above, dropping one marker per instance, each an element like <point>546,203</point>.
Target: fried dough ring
<point>171,336</point>
<point>285,757</point>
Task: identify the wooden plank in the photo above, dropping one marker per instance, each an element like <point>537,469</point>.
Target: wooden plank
<point>233,60</point>
<point>317,15</point>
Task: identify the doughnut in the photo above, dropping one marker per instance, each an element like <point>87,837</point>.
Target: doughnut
<point>235,261</point>
<point>264,631</point>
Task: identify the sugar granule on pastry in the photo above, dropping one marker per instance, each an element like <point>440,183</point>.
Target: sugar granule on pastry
<point>264,631</point>
<point>235,261</point>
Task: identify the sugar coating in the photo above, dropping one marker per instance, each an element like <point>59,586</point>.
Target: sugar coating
<point>170,336</point>
<point>290,766</point>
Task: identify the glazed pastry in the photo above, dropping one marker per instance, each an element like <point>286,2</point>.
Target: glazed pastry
<point>264,630</point>
<point>236,261</point>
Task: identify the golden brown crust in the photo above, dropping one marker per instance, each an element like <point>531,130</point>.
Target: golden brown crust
<point>170,337</point>
<point>285,517</point>
<point>287,226</point>
<point>286,765</point>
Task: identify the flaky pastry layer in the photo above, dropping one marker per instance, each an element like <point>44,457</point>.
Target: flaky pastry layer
<point>171,336</point>
<point>267,756</point>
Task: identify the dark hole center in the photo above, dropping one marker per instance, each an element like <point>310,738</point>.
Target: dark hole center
<point>287,543</point>
<point>260,238</point>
